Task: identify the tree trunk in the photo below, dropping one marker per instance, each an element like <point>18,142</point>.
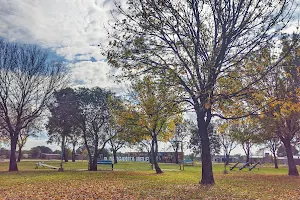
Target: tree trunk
<point>12,161</point>
<point>248,155</point>
<point>154,150</point>
<point>115,156</point>
<point>73,153</point>
<point>227,159</point>
<point>20,153</point>
<point>150,156</point>
<point>93,164</point>
<point>65,155</point>
<point>291,163</point>
<point>176,154</point>
<point>62,153</point>
<point>88,149</point>
<point>207,173</point>
<point>275,160</point>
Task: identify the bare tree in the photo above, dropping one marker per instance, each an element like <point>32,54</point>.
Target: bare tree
<point>116,144</point>
<point>247,133</point>
<point>192,44</point>
<point>145,146</point>
<point>272,143</point>
<point>27,81</point>
<point>228,142</point>
<point>180,134</point>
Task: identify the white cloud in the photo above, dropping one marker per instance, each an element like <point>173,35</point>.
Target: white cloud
<point>69,27</point>
<point>90,74</point>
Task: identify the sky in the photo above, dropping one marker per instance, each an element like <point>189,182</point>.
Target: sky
<point>71,30</point>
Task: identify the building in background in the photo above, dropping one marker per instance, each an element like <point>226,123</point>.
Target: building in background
<point>162,157</point>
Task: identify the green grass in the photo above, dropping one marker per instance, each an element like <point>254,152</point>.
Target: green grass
<point>137,181</point>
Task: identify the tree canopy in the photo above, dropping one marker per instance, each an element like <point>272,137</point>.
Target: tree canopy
<point>191,45</point>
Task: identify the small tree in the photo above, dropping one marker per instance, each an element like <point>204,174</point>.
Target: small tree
<point>246,132</point>
<point>273,144</point>
<point>145,145</point>
<point>179,135</point>
<point>269,140</point>
<point>118,133</point>
<point>227,140</point>
<point>37,151</point>
<point>30,131</point>
<point>153,113</point>
<point>116,141</point>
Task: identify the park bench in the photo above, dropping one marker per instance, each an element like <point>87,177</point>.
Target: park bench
<point>234,166</point>
<point>244,166</point>
<point>106,162</point>
<point>188,162</point>
<point>253,166</point>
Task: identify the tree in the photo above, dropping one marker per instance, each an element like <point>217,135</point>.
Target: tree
<point>272,144</point>
<point>27,82</point>
<point>36,152</point>
<point>45,149</point>
<point>287,107</point>
<point>196,145</point>
<point>30,130</point>
<point>93,120</point>
<point>227,140</point>
<point>282,111</point>
<point>67,153</point>
<point>145,145</point>
<point>118,133</point>
<point>246,132</point>
<point>191,45</point>
<point>75,137</point>
<point>57,151</point>
<point>116,144</point>
<point>179,135</point>
<point>153,114</point>
<point>62,124</point>
<point>268,138</point>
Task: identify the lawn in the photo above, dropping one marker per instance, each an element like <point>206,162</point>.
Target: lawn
<point>137,181</point>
